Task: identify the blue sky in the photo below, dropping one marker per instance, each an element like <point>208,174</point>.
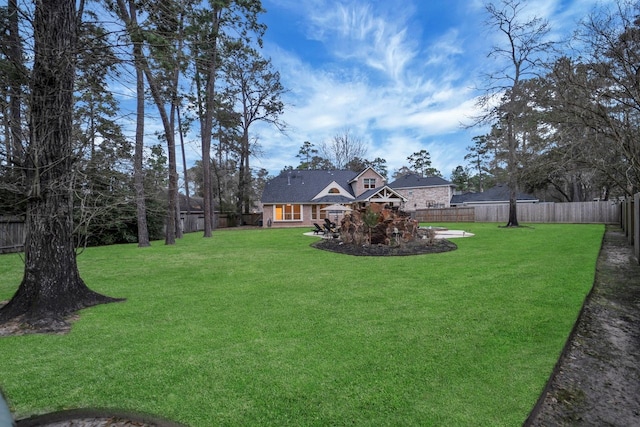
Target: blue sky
<point>400,75</point>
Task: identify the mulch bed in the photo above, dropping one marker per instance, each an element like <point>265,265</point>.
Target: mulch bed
<point>414,247</point>
<point>95,418</point>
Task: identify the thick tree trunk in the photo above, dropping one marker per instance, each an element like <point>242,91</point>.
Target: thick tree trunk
<point>51,287</point>
<point>513,209</point>
<point>513,198</point>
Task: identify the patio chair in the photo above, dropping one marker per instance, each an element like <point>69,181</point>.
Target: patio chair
<point>330,225</point>
<point>329,232</point>
<point>317,229</point>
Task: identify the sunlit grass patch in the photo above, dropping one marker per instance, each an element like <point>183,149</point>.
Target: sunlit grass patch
<point>255,327</point>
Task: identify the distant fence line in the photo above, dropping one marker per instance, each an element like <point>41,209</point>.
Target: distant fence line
<point>574,212</point>
<point>607,212</point>
<point>12,228</point>
<point>626,214</point>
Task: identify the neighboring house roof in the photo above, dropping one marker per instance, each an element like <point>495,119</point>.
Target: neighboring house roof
<point>196,204</point>
<point>497,194</point>
<point>305,186</point>
<point>413,180</point>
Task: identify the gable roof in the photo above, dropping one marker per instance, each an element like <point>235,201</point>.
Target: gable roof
<point>368,168</point>
<point>333,189</point>
<point>497,194</point>
<point>382,194</point>
<point>301,186</point>
<point>413,180</point>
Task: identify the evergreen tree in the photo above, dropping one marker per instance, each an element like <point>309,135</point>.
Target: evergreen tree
<point>51,287</point>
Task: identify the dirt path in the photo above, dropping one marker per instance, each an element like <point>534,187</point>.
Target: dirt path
<point>597,379</point>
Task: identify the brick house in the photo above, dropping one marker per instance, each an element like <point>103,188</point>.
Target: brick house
<point>299,197</point>
<point>423,192</point>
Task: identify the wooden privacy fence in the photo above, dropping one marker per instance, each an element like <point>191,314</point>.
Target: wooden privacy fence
<point>192,222</point>
<point>12,232</point>
<point>630,222</point>
<point>572,212</point>
<point>575,212</point>
<point>12,229</point>
<point>445,215</point>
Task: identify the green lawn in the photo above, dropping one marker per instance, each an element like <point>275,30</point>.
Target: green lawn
<point>255,327</point>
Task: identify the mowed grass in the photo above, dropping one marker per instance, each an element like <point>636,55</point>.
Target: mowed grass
<point>255,327</point>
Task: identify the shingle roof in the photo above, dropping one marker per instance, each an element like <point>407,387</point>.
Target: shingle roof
<point>499,193</point>
<point>300,186</point>
<point>333,199</point>
<point>196,204</point>
<point>412,180</point>
<point>369,193</point>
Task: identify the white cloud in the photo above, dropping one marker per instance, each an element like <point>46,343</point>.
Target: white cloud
<point>381,77</point>
<point>404,110</point>
<point>444,49</point>
<point>355,31</point>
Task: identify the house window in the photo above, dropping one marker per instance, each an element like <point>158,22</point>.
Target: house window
<point>334,191</point>
<point>369,183</point>
<point>288,212</point>
<point>317,212</point>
